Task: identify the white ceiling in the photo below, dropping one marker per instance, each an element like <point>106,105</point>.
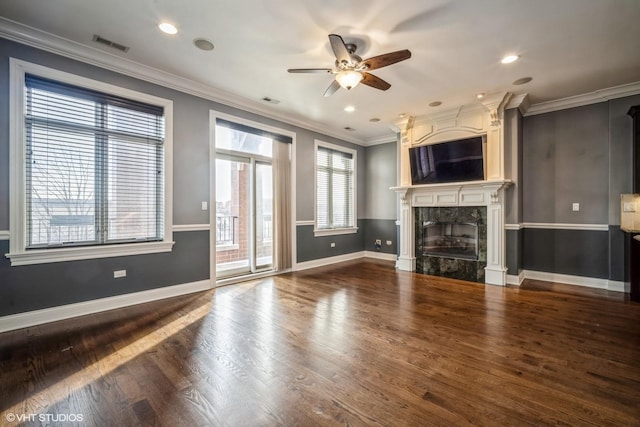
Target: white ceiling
<point>568,47</point>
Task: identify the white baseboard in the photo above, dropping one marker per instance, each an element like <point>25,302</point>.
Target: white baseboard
<point>589,282</point>
<point>617,286</point>
<point>326,261</point>
<point>53,314</point>
<point>380,255</point>
<point>512,279</point>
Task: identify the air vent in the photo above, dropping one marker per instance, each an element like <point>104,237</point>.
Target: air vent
<point>270,100</point>
<point>114,45</point>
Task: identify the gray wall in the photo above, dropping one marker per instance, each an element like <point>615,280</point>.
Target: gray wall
<point>566,160</point>
<point>320,247</point>
<point>513,194</point>
<point>579,155</point>
<point>46,285</point>
<point>513,165</point>
<point>34,287</point>
<point>380,175</point>
<point>377,172</point>
<point>381,203</point>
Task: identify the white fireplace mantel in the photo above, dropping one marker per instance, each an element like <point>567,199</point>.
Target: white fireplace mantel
<point>485,118</point>
<point>471,193</point>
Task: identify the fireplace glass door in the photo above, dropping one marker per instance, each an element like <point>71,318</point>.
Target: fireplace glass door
<point>450,239</point>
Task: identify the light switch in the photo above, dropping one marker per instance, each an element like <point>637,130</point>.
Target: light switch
<point>576,207</point>
<point>205,206</point>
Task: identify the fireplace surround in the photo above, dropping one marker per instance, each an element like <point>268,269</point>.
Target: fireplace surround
<point>487,262</point>
<point>484,199</point>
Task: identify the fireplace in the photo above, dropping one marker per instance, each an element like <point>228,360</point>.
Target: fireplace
<point>470,243</point>
<point>451,241</point>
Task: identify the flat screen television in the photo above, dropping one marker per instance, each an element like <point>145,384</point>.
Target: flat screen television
<point>461,160</point>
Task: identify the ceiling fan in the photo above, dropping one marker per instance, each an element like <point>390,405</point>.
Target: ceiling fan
<point>350,69</point>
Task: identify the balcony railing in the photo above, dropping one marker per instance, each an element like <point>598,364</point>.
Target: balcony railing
<point>226,230</point>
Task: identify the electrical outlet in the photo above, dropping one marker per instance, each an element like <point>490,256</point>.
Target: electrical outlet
<point>389,242</point>
<point>575,207</point>
<point>119,273</point>
<point>378,242</point>
<point>629,207</point>
<point>205,206</point>
<point>333,245</point>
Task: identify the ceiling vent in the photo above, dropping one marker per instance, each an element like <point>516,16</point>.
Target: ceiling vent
<point>113,45</point>
<point>270,100</point>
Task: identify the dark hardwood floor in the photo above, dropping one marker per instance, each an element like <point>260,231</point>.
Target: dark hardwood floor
<point>358,343</point>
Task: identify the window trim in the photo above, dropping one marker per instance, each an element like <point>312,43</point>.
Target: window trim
<point>318,232</point>
<point>18,254</point>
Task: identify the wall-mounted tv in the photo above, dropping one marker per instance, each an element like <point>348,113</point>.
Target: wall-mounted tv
<point>461,160</point>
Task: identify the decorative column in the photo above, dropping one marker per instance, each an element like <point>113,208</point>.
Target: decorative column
<point>495,273</point>
<point>407,258</point>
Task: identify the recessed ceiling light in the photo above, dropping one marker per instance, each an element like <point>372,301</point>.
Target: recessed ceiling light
<point>203,44</point>
<point>349,128</point>
<point>374,119</point>
<point>480,95</point>
<point>168,28</point>
<point>509,59</point>
<point>522,80</point>
<point>349,108</point>
<point>402,115</point>
<point>435,104</point>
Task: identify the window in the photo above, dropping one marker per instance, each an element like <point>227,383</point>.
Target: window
<point>335,190</point>
<point>89,170</point>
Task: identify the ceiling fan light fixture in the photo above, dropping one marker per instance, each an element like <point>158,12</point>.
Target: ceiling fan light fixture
<point>349,79</point>
<point>508,59</point>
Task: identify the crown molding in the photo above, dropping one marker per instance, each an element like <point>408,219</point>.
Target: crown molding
<point>52,43</point>
<point>601,95</point>
<point>384,139</point>
<point>521,102</point>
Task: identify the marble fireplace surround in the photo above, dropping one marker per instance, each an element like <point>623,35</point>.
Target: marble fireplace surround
<point>482,119</point>
<point>469,194</point>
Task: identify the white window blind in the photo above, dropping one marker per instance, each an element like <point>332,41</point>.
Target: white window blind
<point>335,189</point>
<point>94,167</point>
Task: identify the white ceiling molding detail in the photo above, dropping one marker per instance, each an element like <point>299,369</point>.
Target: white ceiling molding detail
<point>382,139</point>
<point>521,102</point>
<point>594,97</point>
<point>39,39</point>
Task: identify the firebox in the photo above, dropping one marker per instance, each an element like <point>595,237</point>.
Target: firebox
<point>450,239</point>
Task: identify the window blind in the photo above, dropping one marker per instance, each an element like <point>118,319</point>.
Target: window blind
<point>334,192</point>
<point>94,167</point>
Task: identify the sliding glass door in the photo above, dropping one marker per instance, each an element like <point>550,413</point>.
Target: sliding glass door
<point>263,215</point>
<point>244,206</point>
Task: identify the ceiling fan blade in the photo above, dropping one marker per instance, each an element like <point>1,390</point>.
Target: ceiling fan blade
<point>309,70</point>
<point>333,87</point>
<point>386,59</point>
<point>339,48</point>
<point>375,82</point>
